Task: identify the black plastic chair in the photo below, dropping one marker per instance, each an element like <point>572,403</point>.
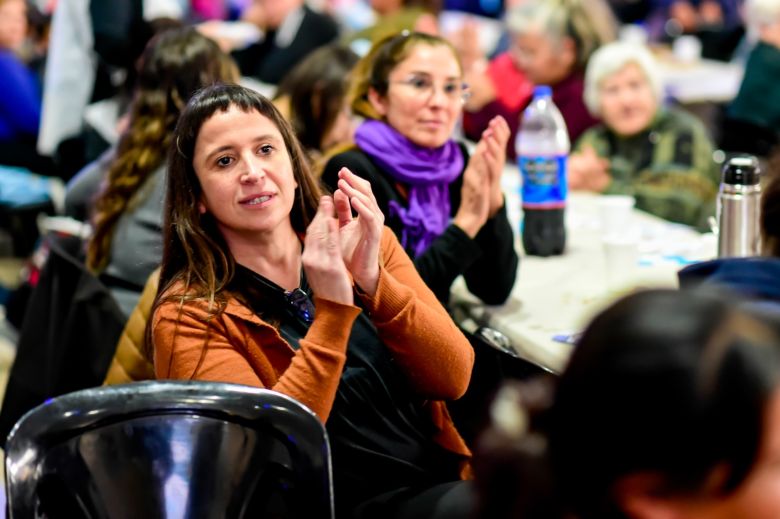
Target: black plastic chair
<point>169,449</point>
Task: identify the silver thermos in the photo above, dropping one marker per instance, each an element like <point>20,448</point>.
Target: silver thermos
<point>739,208</point>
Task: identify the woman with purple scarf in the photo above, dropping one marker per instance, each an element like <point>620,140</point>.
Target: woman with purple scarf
<point>446,208</point>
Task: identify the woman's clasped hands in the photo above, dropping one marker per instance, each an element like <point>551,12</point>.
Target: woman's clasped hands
<point>338,245</point>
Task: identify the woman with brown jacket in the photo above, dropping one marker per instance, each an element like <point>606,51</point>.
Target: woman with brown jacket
<point>265,282</point>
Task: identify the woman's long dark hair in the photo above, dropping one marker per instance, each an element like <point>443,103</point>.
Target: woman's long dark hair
<point>194,252</point>
<point>672,384</point>
<point>316,89</point>
<point>175,64</point>
<point>196,262</point>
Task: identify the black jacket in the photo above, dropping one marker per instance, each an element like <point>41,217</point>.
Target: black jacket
<point>488,262</point>
<point>68,337</point>
<point>269,63</point>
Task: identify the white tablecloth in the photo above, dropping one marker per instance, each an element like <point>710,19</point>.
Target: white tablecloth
<point>560,294</point>
<point>702,81</point>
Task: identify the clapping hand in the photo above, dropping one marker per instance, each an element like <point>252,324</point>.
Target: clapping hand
<point>481,196</point>
<point>322,260</point>
<point>587,171</point>
<point>496,136</point>
<point>360,236</point>
<point>475,193</point>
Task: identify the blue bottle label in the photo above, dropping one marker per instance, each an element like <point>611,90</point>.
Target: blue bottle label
<point>544,181</point>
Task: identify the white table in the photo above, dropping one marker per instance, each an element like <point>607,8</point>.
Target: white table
<point>561,294</point>
<point>701,81</point>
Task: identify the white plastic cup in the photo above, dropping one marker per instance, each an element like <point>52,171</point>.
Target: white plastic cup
<point>633,33</point>
<point>621,256</point>
<point>615,214</point>
<point>687,49</point>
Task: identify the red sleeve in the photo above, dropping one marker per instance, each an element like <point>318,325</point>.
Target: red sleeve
<point>513,92</point>
<point>567,96</point>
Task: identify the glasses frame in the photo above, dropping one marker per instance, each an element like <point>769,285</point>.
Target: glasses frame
<point>463,96</point>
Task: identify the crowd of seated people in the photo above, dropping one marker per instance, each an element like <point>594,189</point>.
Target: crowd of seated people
<point>297,202</point>
<point>551,43</point>
<point>752,121</point>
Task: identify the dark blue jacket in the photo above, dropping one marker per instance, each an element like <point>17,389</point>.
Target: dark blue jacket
<point>754,278</point>
<point>20,102</point>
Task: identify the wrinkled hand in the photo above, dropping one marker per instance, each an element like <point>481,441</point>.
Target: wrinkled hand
<point>322,261</point>
<point>360,236</point>
<point>475,193</point>
<point>496,136</point>
<point>587,171</point>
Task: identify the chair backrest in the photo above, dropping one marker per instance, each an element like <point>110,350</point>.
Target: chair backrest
<point>165,449</point>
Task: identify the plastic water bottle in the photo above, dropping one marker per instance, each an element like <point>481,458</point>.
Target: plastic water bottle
<point>739,208</point>
<point>542,146</point>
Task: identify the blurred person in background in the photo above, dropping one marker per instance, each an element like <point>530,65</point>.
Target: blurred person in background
<point>669,408</point>
<point>394,16</point>
<point>717,24</point>
<point>291,30</point>
<point>125,189</point>
<point>754,114</point>
<point>660,155</point>
<point>90,74</point>
<point>313,97</point>
<point>20,102</point>
<point>551,43</point>
<point>446,208</point>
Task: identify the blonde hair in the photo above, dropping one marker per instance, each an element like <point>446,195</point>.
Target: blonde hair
<point>588,23</point>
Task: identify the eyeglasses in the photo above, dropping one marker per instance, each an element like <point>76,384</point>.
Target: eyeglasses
<point>300,305</point>
<point>424,87</point>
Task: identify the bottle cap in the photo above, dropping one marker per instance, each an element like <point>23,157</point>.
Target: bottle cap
<point>741,170</point>
<point>542,91</point>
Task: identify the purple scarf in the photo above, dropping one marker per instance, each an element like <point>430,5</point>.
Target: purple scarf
<point>427,171</point>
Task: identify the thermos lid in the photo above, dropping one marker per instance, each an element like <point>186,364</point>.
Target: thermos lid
<point>741,170</point>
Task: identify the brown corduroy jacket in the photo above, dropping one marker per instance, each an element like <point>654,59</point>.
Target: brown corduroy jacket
<point>242,348</point>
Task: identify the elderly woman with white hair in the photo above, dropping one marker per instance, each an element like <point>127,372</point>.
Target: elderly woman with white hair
<point>660,155</point>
